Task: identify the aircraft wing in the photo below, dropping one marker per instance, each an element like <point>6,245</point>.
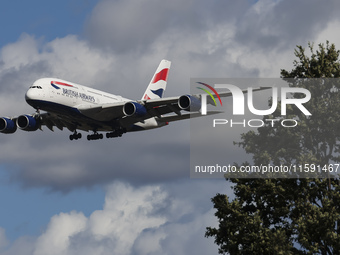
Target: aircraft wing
<point>70,122</point>
<point>172,102</point>
<point>184,116</point>
<point>152,108</point>
<point>61,121</point>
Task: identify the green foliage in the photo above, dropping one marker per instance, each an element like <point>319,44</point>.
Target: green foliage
<point>323,63</point>
<point>290,215</point>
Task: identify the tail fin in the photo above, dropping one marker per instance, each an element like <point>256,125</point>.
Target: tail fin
<point>158,82</point>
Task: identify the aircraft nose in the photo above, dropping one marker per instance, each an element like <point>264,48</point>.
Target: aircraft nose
<point>30,95</point>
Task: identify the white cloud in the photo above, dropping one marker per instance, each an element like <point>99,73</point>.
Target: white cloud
<point>23,245</point>
<point>56,239</point>
<point>330,34</point>
<point>126,213</point>
<point>178,238</point>
<point>21,53</point>
<point>151,219</point>
<point>75,59</point>
<point>132,25</point>
<point>67,57</point>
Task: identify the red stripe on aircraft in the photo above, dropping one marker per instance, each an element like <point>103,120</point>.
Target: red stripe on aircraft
<point>61,83</point>
<point>162,75</point>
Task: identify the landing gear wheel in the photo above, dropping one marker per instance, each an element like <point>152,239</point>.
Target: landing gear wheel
<point>75,136</point>
<point>95,136</point>
<point>116,133</point>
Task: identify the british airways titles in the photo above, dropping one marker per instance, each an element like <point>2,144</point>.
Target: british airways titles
<point>76,94</point>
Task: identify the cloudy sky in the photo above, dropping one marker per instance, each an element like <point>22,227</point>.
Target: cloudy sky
<point>131,195</point>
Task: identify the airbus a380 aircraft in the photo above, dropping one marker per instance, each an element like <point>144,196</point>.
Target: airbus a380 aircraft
<point>77,107</point>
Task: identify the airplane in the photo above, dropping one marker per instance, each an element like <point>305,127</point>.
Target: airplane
<point>76,107</point>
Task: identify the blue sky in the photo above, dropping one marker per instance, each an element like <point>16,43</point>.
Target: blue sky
<point>47,19</point>
<point>19,214</point>
<point>131,195</point>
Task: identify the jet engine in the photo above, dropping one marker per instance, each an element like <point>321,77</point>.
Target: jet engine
<point>134,109</point>
<point>189,103</point>
<point>27,123</point>
<point>7,126</point>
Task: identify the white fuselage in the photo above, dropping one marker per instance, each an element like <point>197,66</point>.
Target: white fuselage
<point>69,94</point>
<point>69,99</point>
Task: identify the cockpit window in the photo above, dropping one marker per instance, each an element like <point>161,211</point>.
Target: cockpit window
<point>35,87</point>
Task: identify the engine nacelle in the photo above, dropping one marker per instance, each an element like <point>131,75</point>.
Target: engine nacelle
<point>189,103</point>
<point>134,109</point>
<point>27,123</point>
<point>7,126</point>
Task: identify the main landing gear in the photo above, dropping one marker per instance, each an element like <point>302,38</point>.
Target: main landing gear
<point>75,136</point>
<point>95,136</point>
<point>116,133</point>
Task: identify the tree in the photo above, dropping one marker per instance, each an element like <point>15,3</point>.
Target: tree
<point>290,215</point>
